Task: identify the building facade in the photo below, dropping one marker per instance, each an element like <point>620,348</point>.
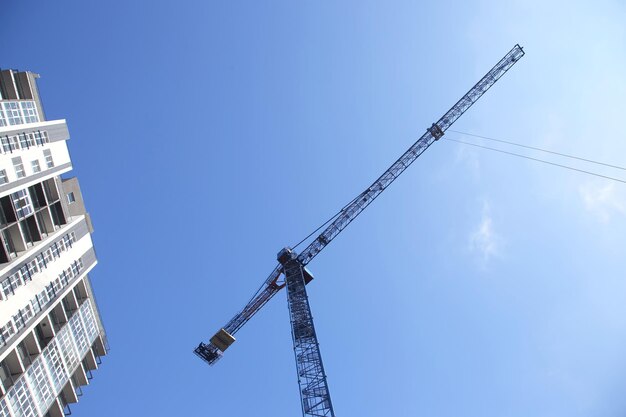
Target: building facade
<point>51,335</point>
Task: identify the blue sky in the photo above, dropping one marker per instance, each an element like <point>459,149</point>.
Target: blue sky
<point>208,135</point>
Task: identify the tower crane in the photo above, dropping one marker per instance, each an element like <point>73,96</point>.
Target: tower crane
<point>314,393</point>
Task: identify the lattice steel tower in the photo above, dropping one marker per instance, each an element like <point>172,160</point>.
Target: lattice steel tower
<point>314,391</point>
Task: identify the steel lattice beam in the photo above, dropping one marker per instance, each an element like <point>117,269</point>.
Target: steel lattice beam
<point>313,386</point>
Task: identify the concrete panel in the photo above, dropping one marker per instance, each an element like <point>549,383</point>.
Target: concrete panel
<point>7,85</point>
<point>23,86</point>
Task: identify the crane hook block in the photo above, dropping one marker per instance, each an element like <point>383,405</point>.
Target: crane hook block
<point>222,340</point>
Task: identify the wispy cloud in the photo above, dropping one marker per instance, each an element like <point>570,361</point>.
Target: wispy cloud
<point>469,157</point>
<point>604,201</point>
<point>484,240</point>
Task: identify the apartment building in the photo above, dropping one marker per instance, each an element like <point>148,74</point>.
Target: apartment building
<point>51,335</point>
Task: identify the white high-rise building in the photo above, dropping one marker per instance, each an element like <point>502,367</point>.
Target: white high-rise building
<point>51,336</point>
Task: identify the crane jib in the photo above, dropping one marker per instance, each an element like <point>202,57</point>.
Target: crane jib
<point>211,353</point>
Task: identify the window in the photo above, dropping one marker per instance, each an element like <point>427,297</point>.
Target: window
<point>15,281</point>
<point>41,138</point>
<point>35,304</point>
<point>58,373</point>
<point>71,198</point>
<point>64,278</point>
<point>32,267</point>
<point>41,262</point>
<point>26,273</point>
<point>19,167</point>
<point>29,111</point>
<point>6,288</point>
<point>3,176</point>
<point>35,165</point>
<point>22,204</point>
<point>27,313</point>
<point>22,402</point>
<point>57,285</point>
<point>7,331</point>
<point>13,142</point>
<point>18,320</point>
<point>43,298</point>
<point>48,155</point>
<point>39,384</point>
<point>55,250</point>
<point>50,291</point>
<point>6,145</point>
<point>23,138</point>
<point>12,111</point>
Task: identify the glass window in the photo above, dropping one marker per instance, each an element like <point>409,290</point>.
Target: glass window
<point>15,280</point>
<point>25,273</point>
<point>48,155</point>
<point>27,313</point>
<point>29,111</point>
<point>50,292</point>
<point>4,408</point>
<point>32,267</point>
<point>35,166</point>
<point>68,348</point>
<point>64,278</point>
<point>35,304</point>
<point>38,137</point>
<point>58,374</point>
<point>79,334</point>
<point>55,250</point>
<point>3,176</point>
<point>6,144</point>
<point>13,143</point>
<point>7,331</point>
<point>22,204</point>
<point>23,140</point>
<point>56,284</point>
<point>19,167</point>
<point>39,384</point>
<point>90,322</point>
<point>6,288</point>
<point>41,261</point>
<point>71,198</point>
<point>12,112</point>
<point>18,320</point>
<point>43,297</point>
<point>21,401</point>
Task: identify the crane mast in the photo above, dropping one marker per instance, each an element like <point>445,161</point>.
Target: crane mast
<point>311,377</point>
